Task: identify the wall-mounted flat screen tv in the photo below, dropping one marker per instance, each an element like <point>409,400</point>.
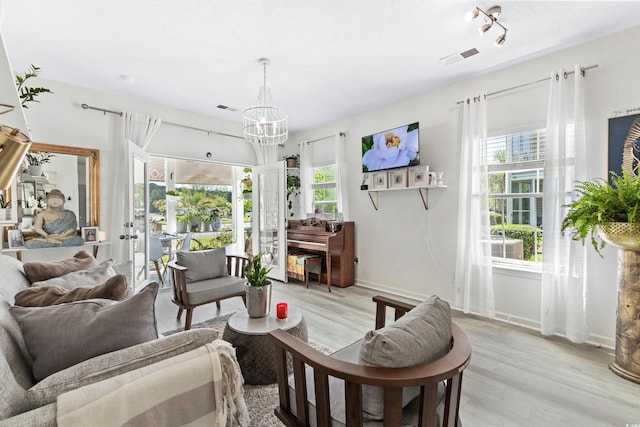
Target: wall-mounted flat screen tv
<point>393,148</point>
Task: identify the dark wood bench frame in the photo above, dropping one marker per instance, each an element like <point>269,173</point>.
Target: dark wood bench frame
<point>448,368</point>
<point>235,267</point>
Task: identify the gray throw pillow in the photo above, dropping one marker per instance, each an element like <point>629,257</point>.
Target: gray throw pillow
<point>87,277</point>
<point>62,335</point>
<point>422,335</point>
<point>203,265</point>
<point>116,363</point>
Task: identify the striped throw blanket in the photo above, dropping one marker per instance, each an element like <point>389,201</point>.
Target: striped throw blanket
<point>202,387</point>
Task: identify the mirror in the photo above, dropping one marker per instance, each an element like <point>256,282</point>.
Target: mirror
<point>81,187</point>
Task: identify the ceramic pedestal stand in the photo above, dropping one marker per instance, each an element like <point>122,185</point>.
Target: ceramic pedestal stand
<point>627,358</point>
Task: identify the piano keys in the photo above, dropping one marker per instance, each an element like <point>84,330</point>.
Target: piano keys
<point>337,248</point>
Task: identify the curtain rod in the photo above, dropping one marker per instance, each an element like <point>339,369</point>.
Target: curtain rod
<point>119,113</point>
<point>566,73</point>
<point>323,138</point>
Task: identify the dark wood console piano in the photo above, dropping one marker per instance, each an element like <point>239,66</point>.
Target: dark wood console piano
<point>337,247</point>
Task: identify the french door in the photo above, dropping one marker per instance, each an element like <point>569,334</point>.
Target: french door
<point>138,212</point>
<point>268,227</point>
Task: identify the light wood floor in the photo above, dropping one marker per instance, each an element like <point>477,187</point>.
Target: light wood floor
<point>516,376</point>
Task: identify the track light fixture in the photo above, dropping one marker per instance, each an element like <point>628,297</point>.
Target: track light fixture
<point>491,17</point>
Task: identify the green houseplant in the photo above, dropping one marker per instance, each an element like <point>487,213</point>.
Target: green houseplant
<point>35,160</point>
<point>258,287</point>
<point>293,189</point>
<point>602,208</point>
<point>29,94</point>
<point>5,213</point>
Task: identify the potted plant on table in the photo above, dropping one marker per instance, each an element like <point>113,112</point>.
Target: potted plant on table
<point>35,161</point>
<point>610,213</point>
<point>172,195</point>
<point>258,287</point>
<point>293,189</point>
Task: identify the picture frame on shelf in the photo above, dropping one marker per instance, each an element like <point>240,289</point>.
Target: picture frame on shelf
<point>15,239</point>
<point>90,234</point>
<point>418,176</point>
<point>398,178</point>
<point>379,180</point>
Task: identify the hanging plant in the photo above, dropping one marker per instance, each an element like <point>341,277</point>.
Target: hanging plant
<point>29,94</point>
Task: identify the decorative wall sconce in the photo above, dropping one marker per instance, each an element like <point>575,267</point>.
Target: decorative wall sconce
<point>491,17</point>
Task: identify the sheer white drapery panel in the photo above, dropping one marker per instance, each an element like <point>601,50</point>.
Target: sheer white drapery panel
<point>342,182</point>
<point>306,179</point>
<point>474,276</point>
<point>564,273</point>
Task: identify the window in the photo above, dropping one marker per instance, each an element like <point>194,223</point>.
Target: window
<point>516,166</point>
<point>325,199</point>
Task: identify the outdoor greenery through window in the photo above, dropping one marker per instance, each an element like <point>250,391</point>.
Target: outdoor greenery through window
<point>325,200</point>
<point>516,166</point>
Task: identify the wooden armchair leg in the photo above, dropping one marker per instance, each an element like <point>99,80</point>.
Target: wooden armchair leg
<point>244,299</point>
<point>187,323</point>
<point>180,313</point>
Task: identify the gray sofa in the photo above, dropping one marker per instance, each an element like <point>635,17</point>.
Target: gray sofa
<point>23,401</point>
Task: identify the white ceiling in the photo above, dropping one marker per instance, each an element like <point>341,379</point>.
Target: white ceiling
<point>330,59</point>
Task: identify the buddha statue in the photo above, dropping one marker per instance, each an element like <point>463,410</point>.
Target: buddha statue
<point>56,225</point>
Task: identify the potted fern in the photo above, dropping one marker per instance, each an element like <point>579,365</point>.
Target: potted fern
<point>610,213</point>
<point>606,213</point>
<point>258,287</point>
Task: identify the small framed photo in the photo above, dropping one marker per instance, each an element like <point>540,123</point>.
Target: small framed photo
<point>433,178</point>
<point>379,180</point>
<point>419,176</point>
<point>90,234</point>
<point>398,178</point>
<point>15,239</point>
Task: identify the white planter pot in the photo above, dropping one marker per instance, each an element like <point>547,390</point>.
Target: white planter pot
<point>258,300</point>
<point>35,170</point>
<point>5,214</point>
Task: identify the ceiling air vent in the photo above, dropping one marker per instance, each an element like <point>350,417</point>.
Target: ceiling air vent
<point>451,59</point>
<point>226,107</point>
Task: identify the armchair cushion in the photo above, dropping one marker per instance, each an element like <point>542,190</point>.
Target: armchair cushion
<point>85,329</point>
<point>38,271</point>
<point>203,265</point>
<point>114,288</point>
<point>118,362</point>
<point>422,335</point>
<point>212,289</point>
<point>86,277</point>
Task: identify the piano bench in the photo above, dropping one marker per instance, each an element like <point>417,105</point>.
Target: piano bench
<point>309,262</point>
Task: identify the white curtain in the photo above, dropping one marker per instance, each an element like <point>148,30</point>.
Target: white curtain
<point>266,154</point>
<point>564,277</point>
<point>138,128</point>
<point>474,277</point>
<point>306,179</point>
<point>342,183</point>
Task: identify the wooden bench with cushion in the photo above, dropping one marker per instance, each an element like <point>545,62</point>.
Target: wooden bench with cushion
<point>376,381</point>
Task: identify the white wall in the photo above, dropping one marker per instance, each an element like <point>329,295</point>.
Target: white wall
<point>404,249</point>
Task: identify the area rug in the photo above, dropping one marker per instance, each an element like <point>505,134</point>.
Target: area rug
<point>261,399</point>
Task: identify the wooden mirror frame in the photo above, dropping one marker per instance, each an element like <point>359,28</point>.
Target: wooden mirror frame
<point>94,173</point>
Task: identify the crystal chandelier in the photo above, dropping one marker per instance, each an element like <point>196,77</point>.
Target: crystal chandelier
<point>265,123</point>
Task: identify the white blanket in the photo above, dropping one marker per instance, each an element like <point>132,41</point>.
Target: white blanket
<point>202,387</point>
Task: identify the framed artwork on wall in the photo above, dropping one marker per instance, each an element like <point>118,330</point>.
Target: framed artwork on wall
<point>624,144</point>
<point>379,180</point>
<point>398,178</point>
<point>419,176</point>
<point>90,234</point>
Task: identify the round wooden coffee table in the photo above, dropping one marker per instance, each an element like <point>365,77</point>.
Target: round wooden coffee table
<point>254,351</point>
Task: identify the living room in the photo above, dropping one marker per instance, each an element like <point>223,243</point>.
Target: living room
<point>401,248</point>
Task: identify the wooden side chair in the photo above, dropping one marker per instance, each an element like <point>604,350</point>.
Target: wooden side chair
<point>203,277</point>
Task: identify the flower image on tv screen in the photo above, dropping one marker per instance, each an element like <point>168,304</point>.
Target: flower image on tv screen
<point>393,148</point>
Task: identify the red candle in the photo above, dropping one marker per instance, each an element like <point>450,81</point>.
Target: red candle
<point>281,310</point>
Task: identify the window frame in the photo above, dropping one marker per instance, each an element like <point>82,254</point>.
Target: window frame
<point>536,167</point>
<point>324,186</point>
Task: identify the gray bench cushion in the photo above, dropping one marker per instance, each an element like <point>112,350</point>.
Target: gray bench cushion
<point>212,289</point>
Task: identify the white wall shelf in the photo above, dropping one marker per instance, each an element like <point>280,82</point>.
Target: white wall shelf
<point>423,191</point>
